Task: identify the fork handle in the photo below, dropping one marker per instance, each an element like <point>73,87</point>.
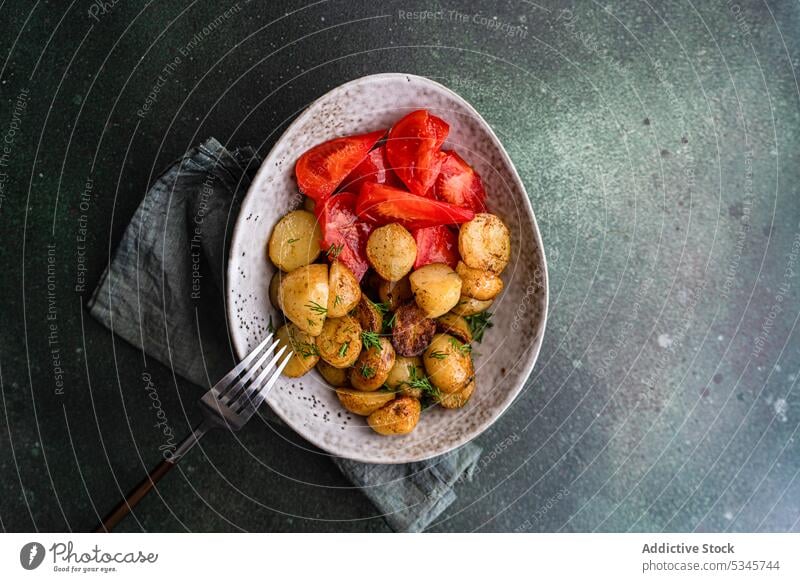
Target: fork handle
<point>125,506</point>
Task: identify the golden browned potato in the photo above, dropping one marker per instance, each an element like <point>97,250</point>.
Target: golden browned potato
<point>274,285</point>
<point>398,417</point>
<point>369,316</point>
<point>363,403</point>
<point>333,376</point>
<point>372,367</point>
<point>394,293</point>
<point>404,371</point>
<point>340,341</point>
<point>302,347</point>
<point>436,288</point>
<point>344,292</point>
<point>391,251</point>
<point>454,325</point>
<point>468,306</point>
<point>478,284</point>
<point>448,363</point>
<point>485,243</point>
<point>303,295</point>
<point>412,330</point>
<point>295,241</point>
<point>457,399</point>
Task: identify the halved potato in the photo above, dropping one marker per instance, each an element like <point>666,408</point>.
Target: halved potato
<point>369,316</point>
<point>302,347</point>
<point>372,367</point>
<point>457,399</point>
<point>394,293</point>
<point>477,283</point>
<point>412,330</point>
<point>363,403</point>
<point>454,325</point>
<point>274,285</point>
<point>436,288</point>
<point>468,306</point>
<point>485,243</point>
<point>339,344</point>
<point>344,291</point>
<point>303,295</point>
<point>333,376</point>
<point>391,250</point>
<point>404,371</point>
<point>399,416</point>
<point>448,363</point>
<point>295,241</point>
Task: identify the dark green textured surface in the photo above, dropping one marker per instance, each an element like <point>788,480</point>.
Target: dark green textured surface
<point>659,144</point>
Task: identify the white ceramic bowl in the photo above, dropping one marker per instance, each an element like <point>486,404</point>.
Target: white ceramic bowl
<point>505,358</point>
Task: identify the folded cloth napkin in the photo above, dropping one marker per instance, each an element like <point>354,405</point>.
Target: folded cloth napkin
<point>176,241</point>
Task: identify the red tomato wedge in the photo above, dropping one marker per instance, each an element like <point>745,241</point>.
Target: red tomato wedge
<point>459,184</point>
<point>344,236</point>
<point>321,169</point>
<point>383,204</point>
<point>436,244</point>
<point>374,168</point>
<point>413,149</point>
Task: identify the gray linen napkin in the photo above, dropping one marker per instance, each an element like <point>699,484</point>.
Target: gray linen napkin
<point>177,239</point>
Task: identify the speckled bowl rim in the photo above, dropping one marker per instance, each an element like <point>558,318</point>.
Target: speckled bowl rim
<point>267,165</point>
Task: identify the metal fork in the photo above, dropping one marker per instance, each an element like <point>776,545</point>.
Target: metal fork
<point>229,404</point>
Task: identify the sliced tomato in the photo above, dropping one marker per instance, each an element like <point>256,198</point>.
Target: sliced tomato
<point>321,169</point>
<point>382,204</point>
<point>436,244</point>
<point>344,236</point>
<point>459,184</point>
<point>413,149</point>
<point>374,168</point>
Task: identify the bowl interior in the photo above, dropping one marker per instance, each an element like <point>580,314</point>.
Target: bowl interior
<point>506,356</point>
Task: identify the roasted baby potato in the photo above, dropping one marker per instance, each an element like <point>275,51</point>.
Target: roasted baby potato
<point>339,344</point>
<point>457,399</point>
<point>333,376</point>
<point>485,243</point>
<point>394,293</point>
<point>373,366</point>
<point>295,241</point>
<point>303,295</point>
<point>363,403</point>
<point>478,284</point>
<point>436,288</point>
<point>274,285</point>
<point>303,350</point>
<point>391,250</point>
<point>399,416</point>
<point>412,330</point>
<point>404,371</point>
<point>344,292</point>
<point>454,325</point>
<point>369,316</point>
<point>468,306</point>
<point>448,363</point>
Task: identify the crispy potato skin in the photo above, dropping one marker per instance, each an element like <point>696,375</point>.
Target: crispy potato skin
<point>412,330</point>
<point>449,366</point>
<point>372,367</point>
<point>478,284</point>
<point>339,344</point>
<point>401,372</point>
<point>394,293</point>
<point>295,241</point>
<point>458,399</point>
<point>344,292</point>
<point>363,403</point>
<point>334,376</point>
<point>303,348</point>
<point>398,417</point>
<point>274,285</point>
<point>436,288</point>
<point>454,325</point>
<point>469,306</point>
<point>391,250</point>
<point>303,294</point>
<point>369,316</point>
<point>485,243</point>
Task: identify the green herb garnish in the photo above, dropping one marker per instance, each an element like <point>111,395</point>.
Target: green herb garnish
<point>291,241</point>
<point>367,372</point>
<point>382,307</point>
<point>270,326</point>
<point>307,350</point>
<point>316,308</point>
<point>437,355</point>
<point>421,383</point>
<point>343,349</point>
<point>371,339</point>
<point>463,348</point>
<point>335,250</point>
<point>336,300</point>
<point>478,324</point>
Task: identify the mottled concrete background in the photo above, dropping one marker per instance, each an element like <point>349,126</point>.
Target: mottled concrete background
<point>659,144</point>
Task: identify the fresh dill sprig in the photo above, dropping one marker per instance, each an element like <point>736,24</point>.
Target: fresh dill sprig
<point>421,383</point>
<point>335,250</point>
<point>307,350</point>
<point>343,349</point>
<point>291,241</point>
<point>367,371</point>
<point>270,325</point>
<point>478,324</point>
<point>382,307</point>
<point>370,339</point>
<point>437,355</point>
<point>316,308</point>
<point>390,324</point>
<point>463,348</point>
<point>336,300</point>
